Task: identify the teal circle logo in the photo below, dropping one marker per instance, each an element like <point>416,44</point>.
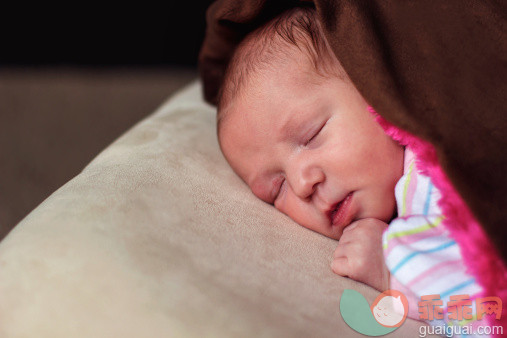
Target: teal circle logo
<point>386,314</point>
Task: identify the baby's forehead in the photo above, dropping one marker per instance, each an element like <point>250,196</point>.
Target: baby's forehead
<point>260,131</point>
<point>271,99</point>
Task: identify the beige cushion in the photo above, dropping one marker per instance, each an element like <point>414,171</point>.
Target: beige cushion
<point>158,238</point>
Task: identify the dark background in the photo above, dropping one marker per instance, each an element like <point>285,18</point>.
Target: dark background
<point>85,34</point>
<point>74,77</point>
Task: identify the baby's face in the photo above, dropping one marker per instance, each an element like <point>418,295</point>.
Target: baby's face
<point>310,147</point>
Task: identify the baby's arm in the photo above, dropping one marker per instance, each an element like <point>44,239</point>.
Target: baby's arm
<point>359,254</point>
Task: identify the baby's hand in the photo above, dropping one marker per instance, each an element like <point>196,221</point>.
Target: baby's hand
<point>359,254</point>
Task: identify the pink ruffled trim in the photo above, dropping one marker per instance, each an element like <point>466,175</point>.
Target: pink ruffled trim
<point>479,255</point>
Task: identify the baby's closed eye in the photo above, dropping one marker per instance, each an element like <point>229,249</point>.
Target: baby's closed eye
<point>315,134</point>
<point>281,189</point>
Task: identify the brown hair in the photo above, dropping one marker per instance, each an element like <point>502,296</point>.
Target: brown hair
<point>296,30</point>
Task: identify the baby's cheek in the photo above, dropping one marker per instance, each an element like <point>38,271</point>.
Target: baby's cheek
<point>287,204</point>
<point>290,205</point>
<point>349,156</point>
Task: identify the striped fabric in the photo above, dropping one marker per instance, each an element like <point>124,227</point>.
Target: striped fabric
<point>421,256</point>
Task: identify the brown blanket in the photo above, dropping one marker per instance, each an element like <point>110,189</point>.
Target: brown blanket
<point>437,70</point>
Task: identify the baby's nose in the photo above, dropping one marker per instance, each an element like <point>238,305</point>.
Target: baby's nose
<point>306,180</point>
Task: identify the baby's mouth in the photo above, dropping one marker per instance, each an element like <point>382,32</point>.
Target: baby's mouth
<point>338,213</point>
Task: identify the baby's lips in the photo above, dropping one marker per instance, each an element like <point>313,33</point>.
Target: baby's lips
<point>339,216</point>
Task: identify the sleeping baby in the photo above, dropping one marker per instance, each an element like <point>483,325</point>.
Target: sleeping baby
<point>292,125</point>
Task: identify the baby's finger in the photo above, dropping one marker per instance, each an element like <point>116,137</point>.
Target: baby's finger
<point>351,226</point>
<point>346,239</point>
<point>340,250</point>
<point>340,266</point>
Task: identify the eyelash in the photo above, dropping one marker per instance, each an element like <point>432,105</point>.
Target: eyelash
<point>279,191</point>
<point>315,135</point>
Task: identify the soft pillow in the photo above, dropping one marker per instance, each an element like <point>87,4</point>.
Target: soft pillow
<point>157,237</point>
